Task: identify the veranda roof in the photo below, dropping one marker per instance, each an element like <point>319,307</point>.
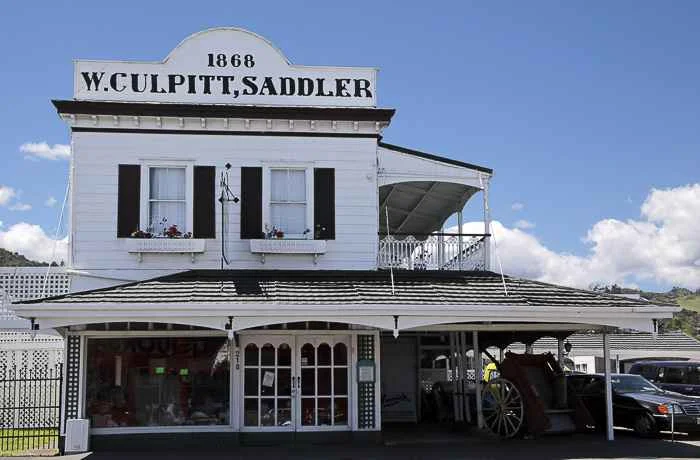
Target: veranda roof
<point>417,297</point>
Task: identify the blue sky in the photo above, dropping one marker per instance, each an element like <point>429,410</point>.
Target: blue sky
<point>581,108</point>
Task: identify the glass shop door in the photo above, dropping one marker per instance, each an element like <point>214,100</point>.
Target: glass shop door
<point>295,383</point>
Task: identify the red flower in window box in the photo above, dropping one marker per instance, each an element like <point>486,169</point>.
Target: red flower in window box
<point>172,232</point>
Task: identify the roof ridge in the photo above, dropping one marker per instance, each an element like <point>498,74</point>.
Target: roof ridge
<point>431,156</point>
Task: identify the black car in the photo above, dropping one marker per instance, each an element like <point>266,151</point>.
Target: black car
<point>637,403</point>
<point>679,376</point>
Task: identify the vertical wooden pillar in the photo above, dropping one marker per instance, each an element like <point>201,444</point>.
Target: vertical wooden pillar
<point>560,352</point>
<point>487,228</point>
<point>478,378</point>
<point>608,388</point>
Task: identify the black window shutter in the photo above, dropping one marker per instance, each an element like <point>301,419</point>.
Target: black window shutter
<point>204,225</point>
<point>128,200</point>
<point>251,203</point>
<point>324,203</point>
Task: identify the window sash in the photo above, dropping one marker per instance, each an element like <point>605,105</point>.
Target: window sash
<point>167,198</point>
<point>167,183</point>
<point>288,201</point>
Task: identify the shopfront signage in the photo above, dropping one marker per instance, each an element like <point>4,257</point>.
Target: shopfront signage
<point>225,66</point>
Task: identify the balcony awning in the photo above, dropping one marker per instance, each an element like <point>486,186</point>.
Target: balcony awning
<point>421,191</point>
<point>420,208</point>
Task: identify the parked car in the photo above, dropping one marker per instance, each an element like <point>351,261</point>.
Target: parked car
<point>637,403</point>
<point>679,376</point>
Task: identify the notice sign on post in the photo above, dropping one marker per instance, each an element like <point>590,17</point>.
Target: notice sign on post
<point>225,66</point>
<point>365,371</point>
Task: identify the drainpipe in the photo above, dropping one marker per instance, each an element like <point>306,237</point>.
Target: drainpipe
<point>608,388</point>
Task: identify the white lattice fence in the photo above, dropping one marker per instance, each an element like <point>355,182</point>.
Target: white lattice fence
<point>30,398</point>
<point>27,366</point>
<point>24,283</point>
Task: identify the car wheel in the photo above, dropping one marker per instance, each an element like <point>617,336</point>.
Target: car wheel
<point>644,425</point>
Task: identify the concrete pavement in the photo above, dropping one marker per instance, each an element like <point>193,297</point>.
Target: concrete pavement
<point>581,446</point>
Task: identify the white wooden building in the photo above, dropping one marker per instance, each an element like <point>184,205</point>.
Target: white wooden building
<point>303,244</point>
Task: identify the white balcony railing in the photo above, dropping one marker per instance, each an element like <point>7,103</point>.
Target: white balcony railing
<point>437,251</point>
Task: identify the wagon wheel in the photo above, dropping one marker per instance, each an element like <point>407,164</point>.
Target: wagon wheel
<point>502,406</point>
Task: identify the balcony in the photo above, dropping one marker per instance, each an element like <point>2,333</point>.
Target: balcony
<point>420,195</point>
<point>435,251</point>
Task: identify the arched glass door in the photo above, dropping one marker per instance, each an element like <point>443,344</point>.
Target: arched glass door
<point>295,383</point>
<point>324,384</point>
<point>268,363</point>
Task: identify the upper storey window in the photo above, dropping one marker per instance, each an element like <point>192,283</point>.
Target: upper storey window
<point>288,206</point>
<point>153,197</point>
<point>167,200</point>
<point>298,200</point>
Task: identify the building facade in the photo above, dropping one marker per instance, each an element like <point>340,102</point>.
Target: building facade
<point>244,245</point>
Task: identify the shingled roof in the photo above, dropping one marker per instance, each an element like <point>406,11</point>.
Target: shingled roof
<point>672,341</point>
<point>343,288</point>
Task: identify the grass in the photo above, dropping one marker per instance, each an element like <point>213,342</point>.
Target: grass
<point>690,302</point>
<point>43,441</point>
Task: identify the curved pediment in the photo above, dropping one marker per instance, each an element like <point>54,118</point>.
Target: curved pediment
<point>244,41</point>
<point>225,66</point>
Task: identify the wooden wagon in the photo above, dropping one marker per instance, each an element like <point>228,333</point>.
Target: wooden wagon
<point>530,396</point>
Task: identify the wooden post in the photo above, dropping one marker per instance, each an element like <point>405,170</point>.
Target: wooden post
<point>487,228</point>
<point>455,376</point>
<point>460,223</point>
<point>477,378</point>
<point>560,353</point>
<point>608,388</point>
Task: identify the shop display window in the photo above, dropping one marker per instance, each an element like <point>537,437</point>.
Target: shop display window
<point>164,381</point>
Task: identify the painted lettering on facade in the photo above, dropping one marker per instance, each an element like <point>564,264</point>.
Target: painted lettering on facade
<point>252,71</point>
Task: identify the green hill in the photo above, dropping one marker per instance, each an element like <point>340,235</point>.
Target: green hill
<point>688,319</point>
<point>690,302</point>
<point>15,259</point>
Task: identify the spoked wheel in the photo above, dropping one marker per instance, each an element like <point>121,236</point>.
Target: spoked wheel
<point>502,406</point>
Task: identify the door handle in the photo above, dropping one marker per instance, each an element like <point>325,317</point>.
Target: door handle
<point>299,382</point>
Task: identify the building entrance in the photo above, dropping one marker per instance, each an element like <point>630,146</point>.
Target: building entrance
<point>295,383</point>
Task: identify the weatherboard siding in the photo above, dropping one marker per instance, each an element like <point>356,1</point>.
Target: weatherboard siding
<point>96,157</point>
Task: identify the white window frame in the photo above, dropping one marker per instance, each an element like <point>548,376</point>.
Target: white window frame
<point>146,166</point>
<point>308,168</point>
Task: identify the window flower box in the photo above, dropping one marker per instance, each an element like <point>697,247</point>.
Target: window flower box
<point>165,245</point>
<point>288,246</point>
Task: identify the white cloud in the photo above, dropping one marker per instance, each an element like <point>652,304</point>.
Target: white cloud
<point>6,194</point>
<point>517,206</point>
<point>44,150</point>
<point>32,242</point>
<point>662,246</point>
<point>524,224</point>
<point>1,224</point>
<point>50,202</point>
<point>19,206</point>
